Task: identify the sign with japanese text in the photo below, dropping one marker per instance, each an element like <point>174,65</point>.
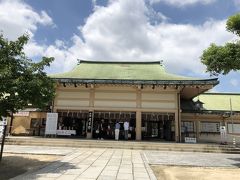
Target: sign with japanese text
<point>51,124</point>
<point>89,122</point>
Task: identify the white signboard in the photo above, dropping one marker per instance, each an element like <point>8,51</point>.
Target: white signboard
<point>190,140</point>
<point>223,134</point>
<point>1,131</point>
<point>210,127</point>
<point>51,124</point>
<point>62,132</point>
<point>187,125</point>
<point>235,126</point>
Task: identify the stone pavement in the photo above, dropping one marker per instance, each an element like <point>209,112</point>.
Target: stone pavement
<point>108,164</point>
<point>90,164</point>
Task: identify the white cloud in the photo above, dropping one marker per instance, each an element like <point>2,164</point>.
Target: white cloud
<point>183,3</point>
<point>33,49</point>
<point>17,18</point>
<point>234,82</point>
<point>60,44</point>
<point>122,31</point>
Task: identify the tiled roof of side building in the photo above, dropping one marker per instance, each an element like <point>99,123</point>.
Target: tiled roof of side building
<point>121,71</point>
<point>220,101</point>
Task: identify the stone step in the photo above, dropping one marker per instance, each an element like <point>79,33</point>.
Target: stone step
<point>122,145</point>
<point>44,140</point>
<point>110,144</point>
<point>143,148</point>
<point>113,143</point>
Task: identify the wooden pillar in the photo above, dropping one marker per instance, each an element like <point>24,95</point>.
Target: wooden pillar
<point>92,96</point>
<point>55,100</point>
<point>198,122</point>
<point>197,125</point>
<point>178,120</point>
<point>138,125</point>
<point>176,127</point>
<point>139,114</point>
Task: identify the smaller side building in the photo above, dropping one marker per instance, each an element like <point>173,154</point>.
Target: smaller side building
<point>218,109</point>
<point>28,122</point>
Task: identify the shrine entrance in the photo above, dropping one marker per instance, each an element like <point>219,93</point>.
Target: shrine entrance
<point>158,126</point>
<point>107,121</point>
<point>72,123</point>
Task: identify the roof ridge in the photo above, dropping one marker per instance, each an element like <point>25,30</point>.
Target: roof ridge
<point>120,62</point>
<point>221,93</point>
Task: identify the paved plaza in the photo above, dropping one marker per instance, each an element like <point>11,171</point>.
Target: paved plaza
<point>87,164</point>
<point>108,164</point>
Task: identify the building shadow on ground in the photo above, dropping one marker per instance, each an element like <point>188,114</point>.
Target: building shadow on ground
<point>13,165</point>
<point>237,164</point>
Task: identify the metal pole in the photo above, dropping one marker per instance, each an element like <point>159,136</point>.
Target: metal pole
<point>3,139</point>
<point>231,113</point>
<point>179,120</point>
<point>234,142</point>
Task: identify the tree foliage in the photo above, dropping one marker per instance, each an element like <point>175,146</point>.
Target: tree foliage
<point>223,59</point>
<point>22,81</point>
<point>233,24</point>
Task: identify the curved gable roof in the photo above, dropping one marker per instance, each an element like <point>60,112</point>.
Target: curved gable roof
<point>120,71</point>
<point>220,101</point>
<point>134,73</point>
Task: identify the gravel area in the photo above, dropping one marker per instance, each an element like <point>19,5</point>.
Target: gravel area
<point>192,159</point>
<point>195,173</point>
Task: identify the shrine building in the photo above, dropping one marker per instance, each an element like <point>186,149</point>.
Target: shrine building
<point>159,106</point>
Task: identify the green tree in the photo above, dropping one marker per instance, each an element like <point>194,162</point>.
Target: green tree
<point>223,59</point>
<point>22,81</point>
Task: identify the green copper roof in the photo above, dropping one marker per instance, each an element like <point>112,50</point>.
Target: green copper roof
<point>120,71</point>
<point>220,101</point>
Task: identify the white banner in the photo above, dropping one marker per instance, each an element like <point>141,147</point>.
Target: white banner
<point>3,121</point>
<point>51,123</point>
<point>1,131</point>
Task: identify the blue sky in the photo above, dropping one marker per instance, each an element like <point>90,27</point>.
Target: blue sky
<point>174,31</point>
